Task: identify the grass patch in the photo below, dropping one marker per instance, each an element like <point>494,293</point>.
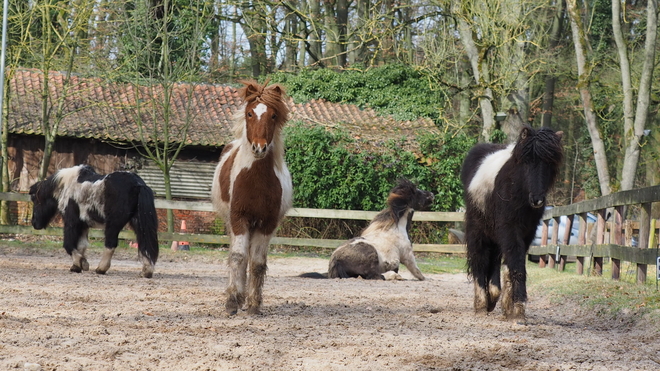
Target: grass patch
<point>600,294</point>
<point>445,263</point>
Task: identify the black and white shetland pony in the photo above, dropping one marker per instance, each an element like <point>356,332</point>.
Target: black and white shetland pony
<point>505,189</point>
<point>384,244</point>
<point>87,199</point>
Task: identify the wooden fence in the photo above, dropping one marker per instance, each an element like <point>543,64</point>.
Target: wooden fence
<point>224,240</point>
<point>612,237</point>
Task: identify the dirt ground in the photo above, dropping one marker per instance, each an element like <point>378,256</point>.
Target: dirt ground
<point>51,319</point>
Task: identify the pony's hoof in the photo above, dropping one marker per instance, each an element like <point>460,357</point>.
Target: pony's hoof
<point>254,311</point>
<point>99,271</point>
<point>482,312</point>
<point>84,264</point>
<point>147,272</point>
<point>231,307</point>
<point>76,269</point>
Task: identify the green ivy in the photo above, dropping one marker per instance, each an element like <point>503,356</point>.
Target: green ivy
<point>327,175</point>
<point>396,89</point>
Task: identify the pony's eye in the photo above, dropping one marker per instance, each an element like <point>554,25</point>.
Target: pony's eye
<point>274,116</point>
<point>249,114</point>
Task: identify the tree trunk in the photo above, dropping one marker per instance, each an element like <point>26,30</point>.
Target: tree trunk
<point>584,71</point>
<point>480,72</point>
<point>342,28</point>
<point>290,44</point>
<point>550,80</point>
<point>315,36</point>
<point>4,154</point>
<point>634,129</point>
<point>332,33</point>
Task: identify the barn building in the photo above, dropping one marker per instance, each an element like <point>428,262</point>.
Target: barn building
<point>100,123</point>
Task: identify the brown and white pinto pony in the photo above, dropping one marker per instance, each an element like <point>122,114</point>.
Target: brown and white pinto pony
<point>252,191</point>
<point>384,244</point>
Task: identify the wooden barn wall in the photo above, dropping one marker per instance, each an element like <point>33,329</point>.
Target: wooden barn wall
<point>25,152</point>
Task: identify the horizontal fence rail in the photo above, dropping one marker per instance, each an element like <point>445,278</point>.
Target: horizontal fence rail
<point>224,240</point>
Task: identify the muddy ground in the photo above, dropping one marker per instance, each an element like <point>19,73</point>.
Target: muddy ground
<point>51,319</point>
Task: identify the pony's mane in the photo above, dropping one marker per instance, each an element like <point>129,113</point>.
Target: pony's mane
<point>398,202</point>
<point>542,144</point>
<point>273,96</point>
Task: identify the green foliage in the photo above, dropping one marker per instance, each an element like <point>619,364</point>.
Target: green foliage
<point>497,136</point>
<point>444,158</point>
<point>399,90</point>
<point>327,175</point>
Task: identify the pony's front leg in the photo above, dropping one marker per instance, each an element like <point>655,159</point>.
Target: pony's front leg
<point>408,259</point>
<point>258,256</point>
<point>514,292</point>
<point>78,254</point>
<point>237,273</point>
<point>75,242</point>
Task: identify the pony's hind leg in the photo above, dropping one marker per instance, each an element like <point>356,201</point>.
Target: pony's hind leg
<point>258,256</point>
<point>494,285</point>
<point>480,267</point>
<point>111,241</point>
<point>147,267</point>
<point>104,264</point>
<point>237,273</point>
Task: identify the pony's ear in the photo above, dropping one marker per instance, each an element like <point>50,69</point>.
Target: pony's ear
<point>560,134</point>
<point>251,89</point>
<point>524,133</point>
<point>277,90</point>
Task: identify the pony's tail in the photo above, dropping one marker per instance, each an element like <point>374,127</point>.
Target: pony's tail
<point>336,269</point>
<point>146,224</point>
<point>314,275</point>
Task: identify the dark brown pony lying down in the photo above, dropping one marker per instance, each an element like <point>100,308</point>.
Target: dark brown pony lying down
<point>384,244</point>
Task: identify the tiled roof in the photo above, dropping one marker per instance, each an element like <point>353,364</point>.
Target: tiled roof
<point>96,109</point>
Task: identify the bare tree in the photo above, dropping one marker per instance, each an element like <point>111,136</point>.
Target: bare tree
<point>55,44</point>
<point>635,118</point>
<point>580,41</point>
<point>162,132</point>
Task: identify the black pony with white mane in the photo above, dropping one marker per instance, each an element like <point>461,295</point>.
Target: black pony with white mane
<point>505,189</point>
<point>87,199</point>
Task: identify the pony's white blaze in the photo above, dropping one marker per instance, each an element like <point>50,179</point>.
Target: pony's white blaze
<point>483,182</point>
<point>259,110</point>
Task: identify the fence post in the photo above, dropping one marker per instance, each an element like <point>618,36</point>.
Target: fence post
<point>582,240</point>
<point>600,238</point>
<point>644,240</point>
<point>544,243</point>
<point>617,238</point>
<point>554,241</point>
<point>566,241</point>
